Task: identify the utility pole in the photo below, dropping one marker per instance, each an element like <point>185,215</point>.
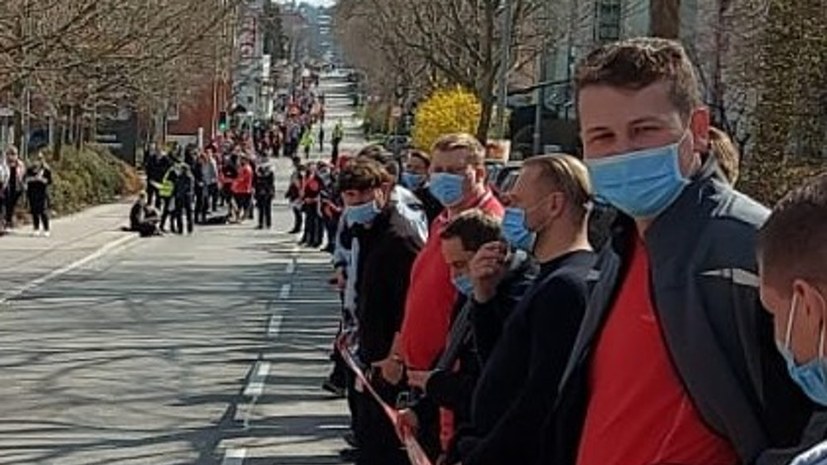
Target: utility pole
<point>25,100</point>
<point>570,56</point>
<point>537,137</point>
<point>505,65</point>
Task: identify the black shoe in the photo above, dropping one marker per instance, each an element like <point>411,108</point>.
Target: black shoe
<point>350,439</point>
<point>349,455</point>
<point>337,391</point>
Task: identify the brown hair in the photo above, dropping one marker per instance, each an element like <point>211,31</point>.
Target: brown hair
<point>461,141</point>
<point>422,155</point>
<point>792,244</point>
<point>569,175</point>
<point>362,174</point>
<point>725,151</point>
<point>638,63</point>
<point>474,228</point>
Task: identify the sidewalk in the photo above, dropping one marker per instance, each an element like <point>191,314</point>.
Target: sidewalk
<point>25,258</point>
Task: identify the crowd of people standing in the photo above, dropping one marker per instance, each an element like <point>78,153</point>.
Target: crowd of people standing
<point>629,308</point>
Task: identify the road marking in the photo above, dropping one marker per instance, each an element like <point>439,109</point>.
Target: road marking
<point>107,248</point>
<point>291,266</point>
<point>234,456</point>
<point>285,291</point>
<point>275,325</point>
<point>255,386</point>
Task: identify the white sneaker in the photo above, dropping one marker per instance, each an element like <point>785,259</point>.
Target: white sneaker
<point>36,233</point>
<point>47,233</point>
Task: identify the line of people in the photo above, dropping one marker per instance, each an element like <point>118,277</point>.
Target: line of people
<point>610,314</point>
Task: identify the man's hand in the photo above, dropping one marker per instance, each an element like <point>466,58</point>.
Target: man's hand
<point>419,379</point>
<point>487,269</point>
<point>391,369</point>
<point>407,423</point>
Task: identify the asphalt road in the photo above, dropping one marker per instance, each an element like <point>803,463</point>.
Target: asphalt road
<point>208,349</point>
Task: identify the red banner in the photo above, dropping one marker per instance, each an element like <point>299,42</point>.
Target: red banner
<point>416,455</point>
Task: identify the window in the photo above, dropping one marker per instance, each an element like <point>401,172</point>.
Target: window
<point>608,20</point>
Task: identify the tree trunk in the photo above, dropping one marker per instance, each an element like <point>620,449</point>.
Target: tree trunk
<point>485,118</point>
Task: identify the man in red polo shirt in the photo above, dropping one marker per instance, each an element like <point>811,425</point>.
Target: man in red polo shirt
<point>457,180</point>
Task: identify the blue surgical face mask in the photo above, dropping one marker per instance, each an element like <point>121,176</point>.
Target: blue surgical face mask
<point>515,230</point>
<point>362,214</point>
<point>641,184</point>
<point>811,377</point>
<point>463,284</point>
<point>447,188</point>
<point>412,180</point>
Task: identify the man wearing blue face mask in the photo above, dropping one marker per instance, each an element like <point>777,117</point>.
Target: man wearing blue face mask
<point>675,359</point>
<point>517,388</point>
<point>386,245</point>
<point>792,256</point>
<point>415,178</point>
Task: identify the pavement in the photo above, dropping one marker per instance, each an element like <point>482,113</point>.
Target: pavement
<point>207,349</point>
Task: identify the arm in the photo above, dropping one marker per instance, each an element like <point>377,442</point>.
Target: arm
<point>510,441</point>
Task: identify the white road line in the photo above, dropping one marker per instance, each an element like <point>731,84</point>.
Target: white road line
<point>107,248</point>
<point>291,266</point>
<point>274,327</point>
<point>255,386</point>
<point>285,291</point>
<point>234,456</point>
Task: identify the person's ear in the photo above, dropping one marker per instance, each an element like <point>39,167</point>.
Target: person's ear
<point>699,124</point>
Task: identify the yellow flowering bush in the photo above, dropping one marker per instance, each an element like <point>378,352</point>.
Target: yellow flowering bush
<point>445,111</point>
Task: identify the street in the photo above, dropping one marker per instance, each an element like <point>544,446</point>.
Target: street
<point>208,349</point>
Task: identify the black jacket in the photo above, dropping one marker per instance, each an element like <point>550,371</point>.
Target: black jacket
<point>387,250</point>
<point>430,204</point>
<point>705,290</point>
<point>516,390</point>
<point>452,389</point>
<point>265,182</point>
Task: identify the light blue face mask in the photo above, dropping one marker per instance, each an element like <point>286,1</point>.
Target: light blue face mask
<point>412,180</point>
<point>463,284</point>
<point>515,230</point>
<point>362,214</point>
<point>641,184</point>
<point>812,376</point>
<point>447,188</point>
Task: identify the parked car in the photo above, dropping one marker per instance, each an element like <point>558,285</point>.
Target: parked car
<point>503,179</point>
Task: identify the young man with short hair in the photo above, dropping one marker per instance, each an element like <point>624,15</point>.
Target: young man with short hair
<point>792,258</point>
<point>385,246</point>
<point>675,359</point>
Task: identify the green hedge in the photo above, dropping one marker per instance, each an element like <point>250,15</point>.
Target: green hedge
<point>88,177</point>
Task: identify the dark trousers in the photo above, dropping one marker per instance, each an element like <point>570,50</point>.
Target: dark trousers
<point>11,205</point>
<point>313,226</point>
<point>201,204</point>
<point>166,211</point>
<point>378,444</point>
<point>213,194</point>
<point>331,226</point>
<point>298,219</point>
<point>152,197</point>
<point>264,204</point>
<point>334,157</point>
<point>38,206</point>
<point>183,207</point>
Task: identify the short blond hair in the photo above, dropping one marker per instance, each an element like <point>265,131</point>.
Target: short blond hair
<point>569,175</point>
<point>461,141</point>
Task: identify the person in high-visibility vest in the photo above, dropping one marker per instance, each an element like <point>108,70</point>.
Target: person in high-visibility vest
<point>307,141</point>
<point>165,188</point>
<point>338,135</point>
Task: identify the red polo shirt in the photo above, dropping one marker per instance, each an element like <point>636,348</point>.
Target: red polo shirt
<point>639,412</point>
